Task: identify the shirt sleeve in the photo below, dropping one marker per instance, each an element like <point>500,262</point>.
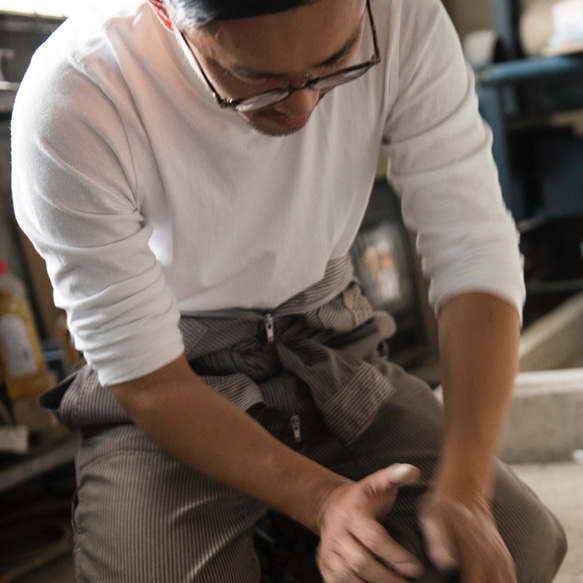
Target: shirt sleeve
<point>441,164</point>
<point>75,196</point>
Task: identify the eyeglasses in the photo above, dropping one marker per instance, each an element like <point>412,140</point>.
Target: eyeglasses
<point>267,98</point>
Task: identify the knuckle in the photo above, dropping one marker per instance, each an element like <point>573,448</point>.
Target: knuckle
<point>319,561</point>
<point>358,563</point>
<point>333,568</point>
<point>373,542</point>
<point>343,574</point>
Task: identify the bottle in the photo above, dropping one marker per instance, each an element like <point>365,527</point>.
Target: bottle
<point>26,373</point>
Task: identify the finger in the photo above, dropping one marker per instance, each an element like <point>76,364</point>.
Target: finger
<point>481,552</point>
<point>436,545</point>
<point>377,541</point>
<point>475,571</point>
<point>472,567</point>
<point>468,534</point>
<point>335,569</point>
<point>366,565</point>
<point>509,568</point>
<point>486,561</point>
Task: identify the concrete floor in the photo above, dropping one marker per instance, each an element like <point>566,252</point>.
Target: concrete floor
<point>558,485</point>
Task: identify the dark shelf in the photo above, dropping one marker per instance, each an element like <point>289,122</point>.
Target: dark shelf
<point>53,450</point>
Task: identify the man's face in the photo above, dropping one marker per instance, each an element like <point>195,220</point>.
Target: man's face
<point>247,56</point>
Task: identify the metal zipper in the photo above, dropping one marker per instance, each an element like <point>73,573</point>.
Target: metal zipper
<point>296,429</point>
<point>269,326</point>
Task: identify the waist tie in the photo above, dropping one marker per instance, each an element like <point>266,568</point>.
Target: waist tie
<point>327,337</point>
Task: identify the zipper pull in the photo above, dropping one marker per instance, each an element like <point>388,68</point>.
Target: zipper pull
<point>269,327</point>
<point>295,425</point>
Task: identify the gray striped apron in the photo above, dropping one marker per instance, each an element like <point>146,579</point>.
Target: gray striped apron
<point>314,372</point>
<point>327,337</point>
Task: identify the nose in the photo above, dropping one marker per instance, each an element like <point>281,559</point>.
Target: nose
<point>299,104</point>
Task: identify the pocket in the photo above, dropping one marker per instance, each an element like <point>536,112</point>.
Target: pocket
<point>51,400</point>
<point>350,410</point>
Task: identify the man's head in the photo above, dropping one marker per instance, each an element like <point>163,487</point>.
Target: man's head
<point>246,48</point>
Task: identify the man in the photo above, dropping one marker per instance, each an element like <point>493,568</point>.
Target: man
<point>194,173</point>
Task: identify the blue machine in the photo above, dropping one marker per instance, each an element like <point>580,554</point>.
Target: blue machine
<point>534,107</point>
<point>537,148</point>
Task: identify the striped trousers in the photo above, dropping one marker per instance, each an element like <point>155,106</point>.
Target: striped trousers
<point>315,373</point>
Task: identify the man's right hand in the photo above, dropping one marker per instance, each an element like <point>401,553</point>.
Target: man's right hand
<point>188,419</point>
<point>354,546</point>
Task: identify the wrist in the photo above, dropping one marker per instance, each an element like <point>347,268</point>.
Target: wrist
<point>468,461</point>
<point>464,480</point>
<point>324,499</point>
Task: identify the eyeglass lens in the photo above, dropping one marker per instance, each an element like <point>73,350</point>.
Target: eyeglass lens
<point>266,99</point>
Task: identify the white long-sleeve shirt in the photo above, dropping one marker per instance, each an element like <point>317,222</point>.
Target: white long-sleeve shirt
<point>147,200</point>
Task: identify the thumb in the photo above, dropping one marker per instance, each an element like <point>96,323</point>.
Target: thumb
<point>402,474</point>
<point>388,480</point>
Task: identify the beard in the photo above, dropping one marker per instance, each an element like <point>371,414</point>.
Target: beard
<point>272,123</point>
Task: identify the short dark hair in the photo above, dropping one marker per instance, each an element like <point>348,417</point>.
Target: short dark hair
<point>200,13</point>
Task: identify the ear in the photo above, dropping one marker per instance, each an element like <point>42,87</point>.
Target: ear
<point>161,13</point>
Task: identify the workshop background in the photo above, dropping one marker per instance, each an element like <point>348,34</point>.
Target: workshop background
<point>528,61</point>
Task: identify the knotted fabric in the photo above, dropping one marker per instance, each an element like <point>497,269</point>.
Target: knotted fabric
<point>328,338</point>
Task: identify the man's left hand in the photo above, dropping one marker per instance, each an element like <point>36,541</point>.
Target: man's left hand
<point>462,536</point>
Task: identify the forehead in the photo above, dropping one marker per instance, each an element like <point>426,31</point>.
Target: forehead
<point>285,41</point>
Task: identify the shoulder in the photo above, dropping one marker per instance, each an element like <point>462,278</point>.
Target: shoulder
<point>78,67</point>
<point>407,8</point>
<point>408,22</point>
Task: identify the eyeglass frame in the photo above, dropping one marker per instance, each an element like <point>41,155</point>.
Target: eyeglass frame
<point>239,104</point>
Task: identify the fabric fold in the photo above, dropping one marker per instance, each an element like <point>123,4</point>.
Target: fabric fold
<point>334,349</point>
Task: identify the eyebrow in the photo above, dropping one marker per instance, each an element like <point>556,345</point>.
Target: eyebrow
<point>251,73</point>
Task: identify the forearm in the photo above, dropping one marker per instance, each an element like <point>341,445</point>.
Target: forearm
<point>479,338</point>
<point>211,435</point>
